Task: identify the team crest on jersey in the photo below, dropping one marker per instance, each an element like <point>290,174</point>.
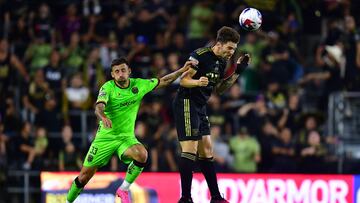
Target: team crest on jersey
<point>90,158</point>
<point>134,90</point>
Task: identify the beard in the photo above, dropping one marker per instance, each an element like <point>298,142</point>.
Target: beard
<point>121,81</point>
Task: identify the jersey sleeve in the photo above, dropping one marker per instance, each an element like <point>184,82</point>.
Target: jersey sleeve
<point>194,57</point>
<point>147,85</point>
<point>104,94</point>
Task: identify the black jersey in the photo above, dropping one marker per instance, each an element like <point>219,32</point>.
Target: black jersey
<point>210,66</point>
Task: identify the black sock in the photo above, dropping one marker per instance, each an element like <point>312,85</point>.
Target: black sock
<point>186,167</point>
<point>208,169</point>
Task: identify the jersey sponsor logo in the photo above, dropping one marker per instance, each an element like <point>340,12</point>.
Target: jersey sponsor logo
<point>127,103</point>
<point>134,90</point>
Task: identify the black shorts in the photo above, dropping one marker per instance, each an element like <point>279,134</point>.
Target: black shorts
<point>190,119</point>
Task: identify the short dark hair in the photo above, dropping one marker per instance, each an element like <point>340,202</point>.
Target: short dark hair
<point>119,61</point>
<point>227,34</point>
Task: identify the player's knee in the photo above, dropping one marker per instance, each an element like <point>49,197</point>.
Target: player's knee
<point>206,152</point>
<point>142,156</point>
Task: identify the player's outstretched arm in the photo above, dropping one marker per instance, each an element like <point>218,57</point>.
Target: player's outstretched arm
<point>99,112</point>
<point>242,63</point>
<point>169,78</point>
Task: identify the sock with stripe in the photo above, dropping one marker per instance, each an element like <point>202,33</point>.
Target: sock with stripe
<point>75,190</point>
<point>186,167</point>
<point>133,171</point>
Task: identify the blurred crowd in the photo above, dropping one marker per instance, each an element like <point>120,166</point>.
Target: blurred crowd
<point>54,56</point>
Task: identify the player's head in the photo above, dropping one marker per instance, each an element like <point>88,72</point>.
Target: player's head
<point>226,41</point>
<point>120,70</point>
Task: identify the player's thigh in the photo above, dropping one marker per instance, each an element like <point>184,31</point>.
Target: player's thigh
<point>204,124</point>
<point>126,146</point>
<point>100,153</point>
<point>186,120</point>
<point>205,148</point>
<point>189,146</point>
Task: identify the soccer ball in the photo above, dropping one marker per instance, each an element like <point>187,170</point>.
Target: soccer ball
<point>250,19</point>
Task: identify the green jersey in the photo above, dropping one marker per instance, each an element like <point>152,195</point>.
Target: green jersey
<point>122,106</point>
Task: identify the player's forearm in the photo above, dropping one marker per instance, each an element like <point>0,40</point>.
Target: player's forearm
<point>99,110</point>
<point>225,84</point>
<point>189,83</point>
<point>169,78</point>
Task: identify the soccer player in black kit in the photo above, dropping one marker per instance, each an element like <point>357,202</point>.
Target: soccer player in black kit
<point>189,108</point>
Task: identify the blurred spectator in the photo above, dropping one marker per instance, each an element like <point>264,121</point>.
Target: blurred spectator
<point>41,143</point>
<point>275,96</point>
<point>54,74</point>
<point>49,116</point>
<point>246,151</point>
<point>158,68</point>
<point>73,55</point>
<point>20,37</point>
<point>93,71</point>
<point>34,96</point>
<point>92,31</point>
<point>352,54</point>
<point>310,123</point>
<point>313,154</point>
<point>254,115</point>
<point>11,118</point>
<point>24,147</point>
<point>96,9</point>
<point>216,113</point>
<point>77,97</point>
<point>291,114</point>
<point>276,58</point>
<point>38,54</point>
<point>267,137</point>
<point>68,24</point>
<point>7,62</point>
<point>77,94</point>
<point>283,151</point>
<point>201,20</point>
<point>42,26</point>
<point>69,160</point>
<point>222,157</point>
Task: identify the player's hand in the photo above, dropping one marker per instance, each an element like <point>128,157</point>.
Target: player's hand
<point>242,63</point>
<point>107,122</point>
<point>187,65</point>
<point>203,81</point>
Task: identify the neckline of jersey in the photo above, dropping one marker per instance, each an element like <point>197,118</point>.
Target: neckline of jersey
<point>122,87</point>
<point>212,52</point>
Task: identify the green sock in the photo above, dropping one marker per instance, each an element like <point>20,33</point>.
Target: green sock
<point>133,171</point>
<point>75,190</point>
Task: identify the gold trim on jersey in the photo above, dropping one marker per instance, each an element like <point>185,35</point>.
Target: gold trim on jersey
<point>187,117</point>
<point>202,50</point>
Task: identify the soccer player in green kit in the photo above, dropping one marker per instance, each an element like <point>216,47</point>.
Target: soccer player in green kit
<point>116,107</point>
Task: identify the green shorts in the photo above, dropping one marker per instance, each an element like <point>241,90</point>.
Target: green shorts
<point>101,151</point>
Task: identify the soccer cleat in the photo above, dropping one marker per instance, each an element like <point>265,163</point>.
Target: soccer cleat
<point>218,200</point>
<point>124,195</point>
<point>185,200</point>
